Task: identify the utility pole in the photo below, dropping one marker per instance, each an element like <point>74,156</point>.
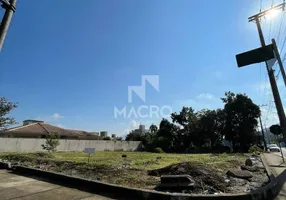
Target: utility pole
<point>277,55</point>
<point>262,131</point>
<point>276,95</point>
<point>10,8</point>
<point>263,135</point>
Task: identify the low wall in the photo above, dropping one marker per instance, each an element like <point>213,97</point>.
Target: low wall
<point>35,145</point>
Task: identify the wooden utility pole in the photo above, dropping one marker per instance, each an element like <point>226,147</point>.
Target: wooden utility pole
<point>10,8</point>
<point>275,91</point>
<point>263,135</point>
<point>262,130</point>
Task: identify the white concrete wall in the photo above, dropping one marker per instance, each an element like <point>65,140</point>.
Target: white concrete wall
<point>34,145</point>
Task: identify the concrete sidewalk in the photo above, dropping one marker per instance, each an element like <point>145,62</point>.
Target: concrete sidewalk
<point>13,186</point>
<point>277,170</point>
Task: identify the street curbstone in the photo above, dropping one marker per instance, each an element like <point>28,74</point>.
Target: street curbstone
<point>267,168</point>
<point>5,165</point>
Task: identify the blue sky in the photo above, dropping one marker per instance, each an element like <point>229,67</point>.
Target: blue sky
<point>70,63</point>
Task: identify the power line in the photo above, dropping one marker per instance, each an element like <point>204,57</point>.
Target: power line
<point>269,110</point>
<point>279,30</point>
<point>283,45</point>
<point>277,76</point>
<point>270,26</point>
<point>284,58</point>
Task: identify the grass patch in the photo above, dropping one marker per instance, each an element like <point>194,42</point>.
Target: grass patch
<point>149,161</point>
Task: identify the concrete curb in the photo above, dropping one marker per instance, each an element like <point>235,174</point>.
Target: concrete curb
<point>4,165</point>
<point>264,193</point>
<point>267,168</point>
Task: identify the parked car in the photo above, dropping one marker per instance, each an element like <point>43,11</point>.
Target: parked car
<point>272,145</point>
<point>273,148</point>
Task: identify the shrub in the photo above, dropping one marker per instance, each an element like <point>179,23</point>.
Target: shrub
<point>254,148</point>
<point>158,150</point>
<point>52,141</point>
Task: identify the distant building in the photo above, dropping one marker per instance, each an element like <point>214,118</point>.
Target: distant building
<point>103,133</point>
<point>31,121</point>
<point>140,130</point>
<point>94,133</point>
<point>113,135</point>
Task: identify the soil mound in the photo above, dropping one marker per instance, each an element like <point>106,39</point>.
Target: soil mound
<point>207,179</point>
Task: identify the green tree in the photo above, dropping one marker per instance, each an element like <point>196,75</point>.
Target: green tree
<point>210,126</point>
<point>165,136</point>
<point>52,141</point>
<point>240,120</point>
<point>153,128</point>
<point>134,136</point>
<point>5,107</point>
<point>149,139</point>
<point>205,129</point>
<point>186,136</point>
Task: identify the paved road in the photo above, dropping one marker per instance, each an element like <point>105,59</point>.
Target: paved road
<point>18,187</point>
<point>283,151</point>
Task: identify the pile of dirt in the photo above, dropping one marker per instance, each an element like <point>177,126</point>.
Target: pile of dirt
<point>207,179</point>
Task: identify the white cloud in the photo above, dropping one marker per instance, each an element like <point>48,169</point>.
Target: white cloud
<point>134,124</point>
<point>201,101</point>
<point>53,119</point>
<point>206,96</point>
<point>60,125</point>
<point>57,116</point>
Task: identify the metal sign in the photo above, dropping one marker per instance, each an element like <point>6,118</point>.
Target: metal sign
<point>275,129</point>
<point>89,150</point>
<point>255,56</point>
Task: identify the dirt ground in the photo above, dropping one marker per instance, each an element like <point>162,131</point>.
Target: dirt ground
<point>208,180</point>
<point>259,179</point>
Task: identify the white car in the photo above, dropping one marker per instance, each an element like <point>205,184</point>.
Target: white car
<point>272,145</point>
<point>273,148</point>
